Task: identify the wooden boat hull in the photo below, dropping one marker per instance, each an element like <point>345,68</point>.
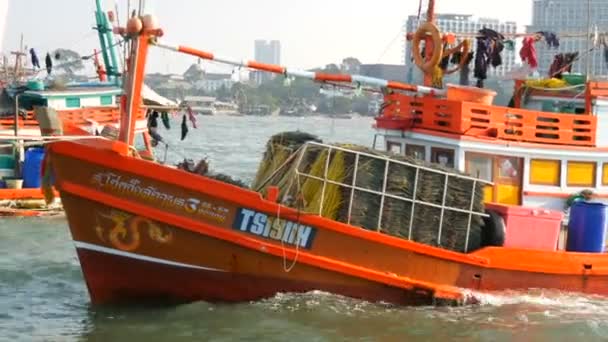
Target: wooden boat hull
<point>144,231</point>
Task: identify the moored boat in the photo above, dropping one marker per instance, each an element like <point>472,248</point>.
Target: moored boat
<point>144,231</point>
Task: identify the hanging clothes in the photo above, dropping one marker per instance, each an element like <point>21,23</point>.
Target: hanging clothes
<point>445,61</point>
<point>562,63</point>
<point>153,128</point>
<point>191,116</point>
<point>490,45</point>
<point>48,63</point>
<point>184,128</point>
<point>165,119</point>
<point>35,61</point>
<point>550,37</point>
<point>528,52</point>
<point>482,58</point>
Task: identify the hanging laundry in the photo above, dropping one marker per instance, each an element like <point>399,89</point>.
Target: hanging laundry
<point>165,119</point>
<point>191,116</point>
<point>528,52</point>
<point>490,45</point>
<point>445,61</point>
<point>153,128</point>
<point>562,63</point>
<point>496,48</point>
<point>482,58</point>
<point>550,37</point>
<point>184,128</point>
<point>48,63</point>
<point>35,61</point>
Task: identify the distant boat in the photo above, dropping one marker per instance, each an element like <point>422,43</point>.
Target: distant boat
<point>201,105</point>
<point>227,108</point>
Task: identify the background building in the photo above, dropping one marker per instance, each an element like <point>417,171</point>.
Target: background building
<point>266,52</point>
<point>570,16</point>
<point>464,23</point>
<point>390,72</point>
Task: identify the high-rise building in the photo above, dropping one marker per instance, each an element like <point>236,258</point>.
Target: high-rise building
<point>464,23</point>
<point>266,52</point>
<point>573,17</point>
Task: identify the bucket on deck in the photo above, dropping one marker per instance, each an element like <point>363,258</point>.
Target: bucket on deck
<point>470,94</point>
<point>32,167</point>
<point>587,227</point>
<point>12,183</point>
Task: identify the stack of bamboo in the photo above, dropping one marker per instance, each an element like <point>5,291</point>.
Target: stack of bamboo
<point>303,188</point>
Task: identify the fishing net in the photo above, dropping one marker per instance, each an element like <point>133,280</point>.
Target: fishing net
<point>363,205</point>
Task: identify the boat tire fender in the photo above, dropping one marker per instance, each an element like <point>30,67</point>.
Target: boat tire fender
<point>494,230</point>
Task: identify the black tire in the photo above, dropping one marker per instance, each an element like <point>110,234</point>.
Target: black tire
<point>494,230</point>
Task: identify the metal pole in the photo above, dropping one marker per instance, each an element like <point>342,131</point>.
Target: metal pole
<point>16,128</point>
<point>589,56</point>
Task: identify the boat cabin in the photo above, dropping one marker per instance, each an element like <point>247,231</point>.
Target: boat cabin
<point>549,145</point>
<point>71,98</point>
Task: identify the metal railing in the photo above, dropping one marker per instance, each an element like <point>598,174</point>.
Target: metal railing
<point>388,162</point>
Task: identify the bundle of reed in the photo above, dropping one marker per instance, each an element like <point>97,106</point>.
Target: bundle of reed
<point>361,206</point>
<point>276,166</point>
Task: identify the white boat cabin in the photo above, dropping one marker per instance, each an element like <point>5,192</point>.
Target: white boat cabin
<point>534,158</point>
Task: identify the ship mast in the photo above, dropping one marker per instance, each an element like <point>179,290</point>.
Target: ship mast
<point>589,55</point>
<point>430,17</point>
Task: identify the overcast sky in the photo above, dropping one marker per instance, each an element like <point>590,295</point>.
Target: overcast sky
<point>312,32</point>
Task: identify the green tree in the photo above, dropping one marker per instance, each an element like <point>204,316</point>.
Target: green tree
<point>351,65</point>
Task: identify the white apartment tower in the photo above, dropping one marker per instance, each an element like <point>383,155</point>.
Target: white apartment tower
<point>459,23</point>
<point>571,16</point>
<point>266,52</point>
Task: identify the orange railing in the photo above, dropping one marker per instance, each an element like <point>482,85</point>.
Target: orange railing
<point>81,116</point>
<point>478,120</point>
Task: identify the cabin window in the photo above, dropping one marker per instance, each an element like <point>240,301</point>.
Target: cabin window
<point>106,100</point>
<point>508,167</point>
<point>479,166</point>
<point>415,151</point>
<point>442,156</point>
<point>581,173</point>
<point>393,147</point>
<point>605,174</point>
<point>545,172</point>
<point>72,102</point>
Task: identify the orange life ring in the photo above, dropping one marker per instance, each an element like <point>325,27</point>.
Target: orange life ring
<point>423,31</point>
<point>464,47</point>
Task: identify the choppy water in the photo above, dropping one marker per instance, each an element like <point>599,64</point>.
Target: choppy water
<point>43,296</point>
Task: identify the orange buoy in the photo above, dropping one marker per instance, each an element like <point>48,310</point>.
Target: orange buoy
<point>150,22</point>
<point>134,26</point>
<point>425,30</point>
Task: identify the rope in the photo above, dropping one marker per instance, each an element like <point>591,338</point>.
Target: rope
<point>289,268</point>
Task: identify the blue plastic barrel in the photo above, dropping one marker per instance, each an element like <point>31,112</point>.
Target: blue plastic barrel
<point>587,227</point>
<point>32,166</point>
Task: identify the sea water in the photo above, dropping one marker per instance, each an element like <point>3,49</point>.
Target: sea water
<point>43,296</point>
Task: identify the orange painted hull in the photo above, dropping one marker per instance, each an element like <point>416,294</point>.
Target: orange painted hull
<point>139,227</point>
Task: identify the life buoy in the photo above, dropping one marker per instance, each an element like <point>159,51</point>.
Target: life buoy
<point>494,230</point>
<point>464,47</point>
<point>424,30</point>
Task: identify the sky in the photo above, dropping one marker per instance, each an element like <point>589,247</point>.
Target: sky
<point>312,32</point>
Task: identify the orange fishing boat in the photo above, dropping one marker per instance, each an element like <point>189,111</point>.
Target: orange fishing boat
<point>145,231</point>
<point>65,112</point>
